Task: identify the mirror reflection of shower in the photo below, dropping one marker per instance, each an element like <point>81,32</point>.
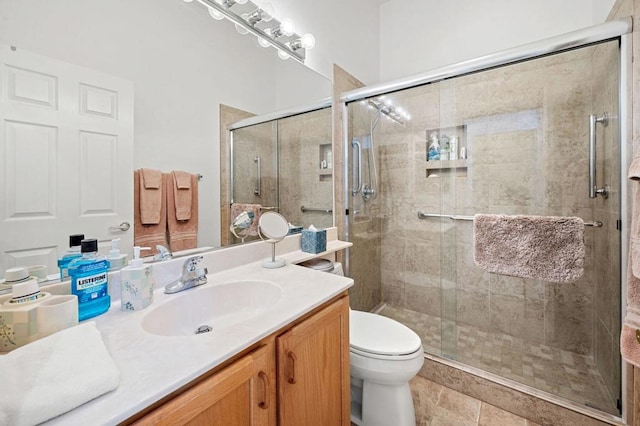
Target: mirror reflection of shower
<point>365,174</point>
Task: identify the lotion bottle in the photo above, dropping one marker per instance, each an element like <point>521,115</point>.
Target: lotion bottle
<point>116,259</point>
<point>136,281</point>
<point>89,275</point>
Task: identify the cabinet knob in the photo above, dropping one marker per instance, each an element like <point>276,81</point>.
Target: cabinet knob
<point>292,368</point>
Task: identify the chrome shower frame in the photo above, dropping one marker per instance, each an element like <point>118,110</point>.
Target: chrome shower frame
<point>614,30</point>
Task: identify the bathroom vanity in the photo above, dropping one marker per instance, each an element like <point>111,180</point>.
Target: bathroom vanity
<point>311,386</point>
<point>277,352</point>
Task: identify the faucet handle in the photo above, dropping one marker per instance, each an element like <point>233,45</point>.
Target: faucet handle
<point>191,264</point>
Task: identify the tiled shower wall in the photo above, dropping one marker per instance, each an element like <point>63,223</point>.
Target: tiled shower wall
<point>290,150</point>
<point>527,140</point>
<point>304,141</point>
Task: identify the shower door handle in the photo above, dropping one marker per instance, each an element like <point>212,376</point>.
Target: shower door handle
<point>593,185</point>
<point>358,188</point>
<point>258,189</point>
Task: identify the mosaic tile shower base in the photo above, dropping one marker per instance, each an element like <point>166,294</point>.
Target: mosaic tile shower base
<point>562,373</point>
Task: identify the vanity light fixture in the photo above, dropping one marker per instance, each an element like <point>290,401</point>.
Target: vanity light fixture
<point>259,20</point>
<point>385,107</point>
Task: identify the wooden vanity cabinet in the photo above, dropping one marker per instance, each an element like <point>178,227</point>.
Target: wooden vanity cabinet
<point>313,369</point>
<point>311,386</point>
<point>242,393</point>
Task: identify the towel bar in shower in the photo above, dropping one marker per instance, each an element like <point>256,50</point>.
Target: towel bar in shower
<point>423,215</point>
<point>304,209</point>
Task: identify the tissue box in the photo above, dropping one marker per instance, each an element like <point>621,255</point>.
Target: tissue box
<point>314,241</point>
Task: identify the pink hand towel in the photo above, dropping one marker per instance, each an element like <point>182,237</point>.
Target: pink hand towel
<point>629,337</point>
<point>182,193</point>
<point>151,196</point>
<point>182,234</point>
<point>149,235</point>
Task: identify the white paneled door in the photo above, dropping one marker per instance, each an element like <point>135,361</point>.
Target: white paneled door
<point>66,157</point>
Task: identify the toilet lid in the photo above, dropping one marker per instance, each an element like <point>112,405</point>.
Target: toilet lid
<point>380,335</point>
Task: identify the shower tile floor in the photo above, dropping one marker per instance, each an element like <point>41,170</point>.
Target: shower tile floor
<point>562,373</point>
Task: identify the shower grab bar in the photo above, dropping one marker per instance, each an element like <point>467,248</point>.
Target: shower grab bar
<point>357,189</point>
<point>258,189</point>
<point>423,215</point>
<point>593,185</point>
<point>304,209</point>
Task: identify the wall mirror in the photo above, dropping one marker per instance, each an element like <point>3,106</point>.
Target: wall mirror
<point>169,65</point>
<point>283,165</point>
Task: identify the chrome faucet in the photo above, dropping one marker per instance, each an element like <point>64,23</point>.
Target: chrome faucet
<point>192,276</point>
<point>163,253</point>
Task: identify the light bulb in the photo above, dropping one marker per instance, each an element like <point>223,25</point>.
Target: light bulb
<point>215,14</point>
<point>287,27</point>
<point>242,30</point>
<point>262,42</point>
<point>283,55</point>
<point>267,11</point>
<point>308,41</point>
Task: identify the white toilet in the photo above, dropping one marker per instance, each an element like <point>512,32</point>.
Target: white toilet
<point>384,356</point>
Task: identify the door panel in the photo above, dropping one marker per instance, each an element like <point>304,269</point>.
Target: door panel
<point>66,150</point>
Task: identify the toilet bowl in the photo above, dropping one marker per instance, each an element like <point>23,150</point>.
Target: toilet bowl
<point>384,356</point>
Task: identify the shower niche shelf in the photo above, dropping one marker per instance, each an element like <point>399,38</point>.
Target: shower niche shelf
<point>445,166</point>
<point>325,163</point>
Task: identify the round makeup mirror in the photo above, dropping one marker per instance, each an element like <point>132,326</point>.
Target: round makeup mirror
<point>242,225</point>
<point>275,227</point>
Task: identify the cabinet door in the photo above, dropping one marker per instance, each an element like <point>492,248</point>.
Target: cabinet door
<point>241,394</point>
<point>313,369</point>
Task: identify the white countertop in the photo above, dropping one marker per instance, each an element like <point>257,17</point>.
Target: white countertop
<point>153,366</point>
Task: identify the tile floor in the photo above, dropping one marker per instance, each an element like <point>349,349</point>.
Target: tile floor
<point>440,406</point>
<point>562,373</point>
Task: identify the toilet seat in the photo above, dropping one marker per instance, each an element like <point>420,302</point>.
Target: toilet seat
<point>376,336</point>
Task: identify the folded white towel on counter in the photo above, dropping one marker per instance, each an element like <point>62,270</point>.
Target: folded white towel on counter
<point>54,375</point>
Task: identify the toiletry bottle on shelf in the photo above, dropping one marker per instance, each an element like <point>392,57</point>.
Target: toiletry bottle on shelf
<point>116,259</point>
<point>433,152</point>
<point>444,147</point>
<point>89,275</point>
<point>329,159</point>
<point>72,253</point>
<point>136,281</point>
<point>453,148</point>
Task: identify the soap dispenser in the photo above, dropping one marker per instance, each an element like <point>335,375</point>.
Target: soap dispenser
<point>136,281</point>
<point>116,260</point>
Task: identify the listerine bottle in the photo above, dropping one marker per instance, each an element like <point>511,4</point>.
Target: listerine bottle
<point>72,253</point>
<point>89,281</point>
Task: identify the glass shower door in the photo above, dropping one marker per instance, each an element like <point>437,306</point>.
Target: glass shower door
<point>521,138</point>
<point>254,168</point>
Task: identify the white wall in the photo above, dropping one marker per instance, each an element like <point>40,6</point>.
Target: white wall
<point>346,32</point>
<point>419,35</point>
<point>183,65</point>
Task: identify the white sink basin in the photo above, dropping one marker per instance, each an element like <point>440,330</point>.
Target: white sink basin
<point>217,306</point>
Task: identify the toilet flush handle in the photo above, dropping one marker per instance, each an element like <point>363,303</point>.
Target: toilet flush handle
<point>292,367</point>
